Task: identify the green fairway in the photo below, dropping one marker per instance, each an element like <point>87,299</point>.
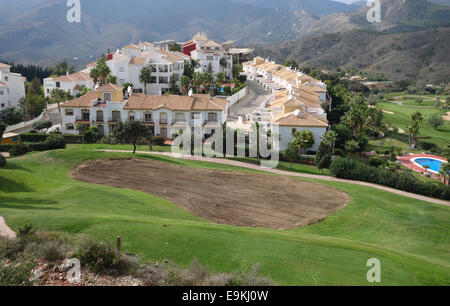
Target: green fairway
<point>409,237</point>
<point>401,119</point>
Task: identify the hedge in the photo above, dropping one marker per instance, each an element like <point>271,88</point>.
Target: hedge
<point>6,147</point>
<point>2,161</point>
<point>350,169</point>
<point>53,142</point>
<point>33,137</point>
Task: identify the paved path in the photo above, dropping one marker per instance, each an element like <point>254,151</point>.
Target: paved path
<point>5,231</point>
<point>256,96</point>
<point>296,174</point>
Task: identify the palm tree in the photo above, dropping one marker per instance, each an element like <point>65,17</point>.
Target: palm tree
<point>101,71</point>
<point>445,172</point>
<point>185,84</point>
<point>58,96</point>
<point>145,77</point>
<point>330,138</point>
<point>207,80</point>
<point>304,140</point>
<point>197,80</point>
<point>414,128</point>
<point>351,146</point>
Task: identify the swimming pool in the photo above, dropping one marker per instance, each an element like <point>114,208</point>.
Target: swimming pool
<point>434,164</point>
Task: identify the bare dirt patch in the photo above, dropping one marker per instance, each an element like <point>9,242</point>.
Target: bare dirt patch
<point>446,117</point>
<point>224,197</point>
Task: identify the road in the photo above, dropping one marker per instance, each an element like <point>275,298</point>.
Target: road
<point>257,95</point>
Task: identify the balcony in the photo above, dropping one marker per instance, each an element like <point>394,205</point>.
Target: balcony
<point>83,120</point>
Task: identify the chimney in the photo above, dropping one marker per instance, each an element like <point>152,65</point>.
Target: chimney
<point>67,72</point>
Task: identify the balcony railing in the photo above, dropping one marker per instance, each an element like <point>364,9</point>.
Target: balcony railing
<point>83,119</point>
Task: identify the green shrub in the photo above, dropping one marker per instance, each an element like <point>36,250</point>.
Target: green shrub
<point>2,161</point>
<point>101,257</point>
<point>56,142</point>
<point>16,275</point>
<point>19,149</point>
<point>33,137</point>
<point>6,147</point>
<point>355,170</point>
<point>159,141</point>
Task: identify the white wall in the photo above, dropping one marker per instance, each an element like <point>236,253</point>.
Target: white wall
<point>287,137</point>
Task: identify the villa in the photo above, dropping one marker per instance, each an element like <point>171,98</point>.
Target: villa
<point>209,54</point>
<point>165,114</point>
<point>297,100</point>
<point>12,87</point>
<point>72,83</point>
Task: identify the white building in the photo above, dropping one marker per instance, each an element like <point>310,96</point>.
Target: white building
<point>107,106</point>
<point>297,101</point>
<point>12,87</point>
<point>73,83</point>
<point>209,53</point>
<point>126,65</point>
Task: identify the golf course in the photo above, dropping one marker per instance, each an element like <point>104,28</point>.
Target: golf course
<point>410,237</point>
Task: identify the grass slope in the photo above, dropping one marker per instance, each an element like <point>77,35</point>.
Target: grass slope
<point>411,238</point>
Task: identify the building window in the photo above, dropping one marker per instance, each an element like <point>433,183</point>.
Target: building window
<point>212,117</point>
<point>121,69</point>
<point>131,116</point>
<point>70,127</point>
<point>3,105</point>
<point>196,116</point>
<point>179,117</point>
<point>164,132</point>
<point>69,112</point>
<point>153,80</point>
<point>148,117</point>
<point>107,97</point>
<point>115,116</point>
<point>163,118</point>
<point>1,92</point>
<point>58,85</point>
<point>85,115</point>
<point>6,78</point>
<point>163,80</point>
<point>100,116</point>
<point>293,132</point>
<point>153,67</point>
<point>163,68</point>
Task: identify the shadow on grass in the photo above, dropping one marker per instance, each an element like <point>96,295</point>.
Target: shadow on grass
<point>14,166</point>
<point>7,185</point>
<point>26,203</point>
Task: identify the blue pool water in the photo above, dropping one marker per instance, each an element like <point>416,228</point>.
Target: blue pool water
<point>434,164</point>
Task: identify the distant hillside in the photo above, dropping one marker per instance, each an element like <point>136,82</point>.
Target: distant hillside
<point>396,16</point>
<point>316,7</point>
<point>42,34</point>
<point>422,55</point>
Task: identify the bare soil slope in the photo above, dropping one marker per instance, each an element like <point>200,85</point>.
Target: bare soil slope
<point>225,197</point>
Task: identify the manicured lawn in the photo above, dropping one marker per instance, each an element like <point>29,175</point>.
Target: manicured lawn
<point>410,237</point>
<point>401,119</point>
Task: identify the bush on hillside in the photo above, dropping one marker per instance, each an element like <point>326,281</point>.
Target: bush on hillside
<point>33,137</point>
<point>355,170</point>
<point>19,149</point>
<point>159,141</point>
<point>2,161</point>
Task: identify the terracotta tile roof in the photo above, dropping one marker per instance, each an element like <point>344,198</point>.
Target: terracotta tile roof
<point>138,61</point>
<point>131,46</point>
<point>110,87</point>
<point>83,101</point>
<point>4,65</point>
<point>310,88</point>
<point>303,119</point>
<point>173,57</point>
<point>176,103</point>
<point>78,76</point>
<point>210,43</point>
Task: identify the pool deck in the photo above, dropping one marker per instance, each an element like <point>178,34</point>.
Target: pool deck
<point>407,162</point>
